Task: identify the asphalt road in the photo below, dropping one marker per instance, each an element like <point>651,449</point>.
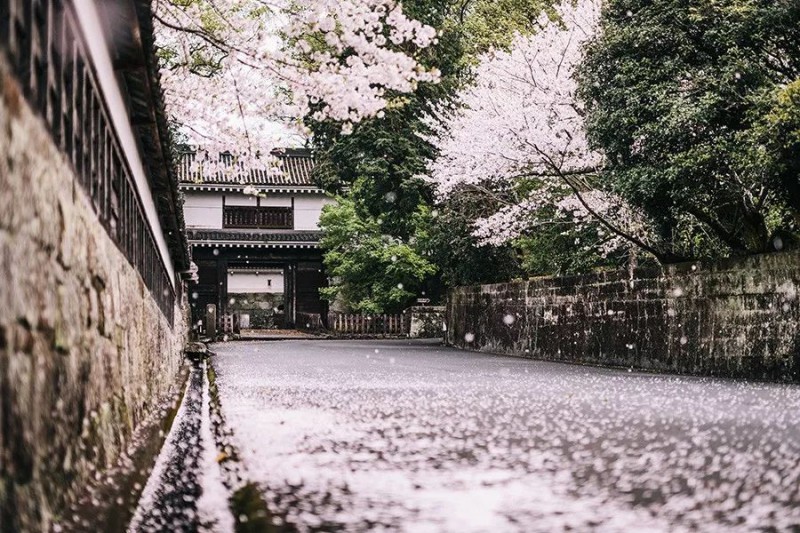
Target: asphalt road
<point>411,436</point>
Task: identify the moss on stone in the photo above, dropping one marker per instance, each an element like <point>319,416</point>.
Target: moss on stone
<point>250,511</point>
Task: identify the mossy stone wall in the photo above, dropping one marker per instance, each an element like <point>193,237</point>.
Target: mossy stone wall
<point>734,318</point>
<point>85,353</point>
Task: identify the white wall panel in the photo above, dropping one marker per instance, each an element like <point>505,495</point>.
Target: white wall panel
<point>237,198</point>
<point>203,209</point>
<point>266,281</point>
<point>307,209</point>
<point>277,200</point>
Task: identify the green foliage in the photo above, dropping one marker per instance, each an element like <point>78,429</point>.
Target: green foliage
<point>488,24</point>
<point>559,249</point>
<point>378,165</point>
<point>687,99</point>
<point>777,138</point>
<point>456,252</point>
<point>372,272</point>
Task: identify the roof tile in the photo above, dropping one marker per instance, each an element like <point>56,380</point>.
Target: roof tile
<point>253,236</point>
<point>280,168</point>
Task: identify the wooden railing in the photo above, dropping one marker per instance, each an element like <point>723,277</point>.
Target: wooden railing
<point>367,324</point>
<point>252,217</point>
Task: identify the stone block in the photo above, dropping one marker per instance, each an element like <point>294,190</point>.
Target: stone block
<point>737,318</point>
<point>79,333</point>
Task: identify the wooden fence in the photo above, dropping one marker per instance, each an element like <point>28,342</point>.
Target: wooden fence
<point>367,324</point>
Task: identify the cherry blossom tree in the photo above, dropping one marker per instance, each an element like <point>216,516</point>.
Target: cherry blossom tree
<point>519,136</point>
<point>233,68</point>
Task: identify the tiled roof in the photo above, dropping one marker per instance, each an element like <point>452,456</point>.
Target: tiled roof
<point>260,237</point>
<point>283,167</point>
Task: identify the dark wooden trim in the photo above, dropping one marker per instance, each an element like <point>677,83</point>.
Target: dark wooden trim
<point>47,51</point>
<point>254,217</point>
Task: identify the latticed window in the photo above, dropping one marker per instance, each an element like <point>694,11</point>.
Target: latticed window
<point>252,217</point>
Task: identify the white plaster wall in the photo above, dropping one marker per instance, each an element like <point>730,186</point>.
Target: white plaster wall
<point>307,209</point>
<point>267,281</point>
<point>276,200</point>
<point>202,209</point>
<point>237,198</point>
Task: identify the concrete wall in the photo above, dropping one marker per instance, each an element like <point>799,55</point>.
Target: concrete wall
<point>737,318</point>
<point>85,353</point>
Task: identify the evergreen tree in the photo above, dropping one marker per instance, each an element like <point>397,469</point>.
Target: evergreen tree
<point>694,104</point>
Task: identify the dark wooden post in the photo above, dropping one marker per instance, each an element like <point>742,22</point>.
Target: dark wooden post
<point>211,320</point>
<point>222,284</point>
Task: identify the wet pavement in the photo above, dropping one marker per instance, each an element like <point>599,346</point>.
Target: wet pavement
<point>185,491</point>
<point>411,436</point>
<point>169,500</point>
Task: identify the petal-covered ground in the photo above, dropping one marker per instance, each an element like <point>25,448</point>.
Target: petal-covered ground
<point>410,436</point>
<point>185,490</point>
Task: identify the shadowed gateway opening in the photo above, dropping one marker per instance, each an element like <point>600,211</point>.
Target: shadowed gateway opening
<point>262,288</point>
<point>257,296</point>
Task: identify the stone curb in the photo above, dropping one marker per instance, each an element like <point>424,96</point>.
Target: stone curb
<point>247,504</point>
<point>110,504</point>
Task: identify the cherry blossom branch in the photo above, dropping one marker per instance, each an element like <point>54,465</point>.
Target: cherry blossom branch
<point>260,64</point>
<point>522,121</point>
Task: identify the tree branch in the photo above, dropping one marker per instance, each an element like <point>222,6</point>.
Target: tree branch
<point>662,257</point>
<point>724,235</point>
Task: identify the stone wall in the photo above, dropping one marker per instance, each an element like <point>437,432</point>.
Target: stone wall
<point>425,322</point>
<point>263,310</point>
<point>85,352</point>
<point>737,318</point>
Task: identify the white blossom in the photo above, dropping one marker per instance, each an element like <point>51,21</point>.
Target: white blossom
<point>521,120</point>
<point>521,123</point>
<point>228,84</point>
<point>522,117</point>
